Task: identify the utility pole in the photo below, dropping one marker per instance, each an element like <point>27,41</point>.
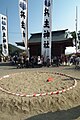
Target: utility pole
<point>77,41</point>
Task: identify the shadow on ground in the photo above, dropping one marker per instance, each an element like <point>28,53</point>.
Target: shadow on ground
<point>72,68</point>
<point>5,64</point>
<point>70,114</point>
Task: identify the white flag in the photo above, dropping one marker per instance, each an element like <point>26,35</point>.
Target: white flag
<point>47,28</point>
<point>23,20</point>
<point>4,35</point>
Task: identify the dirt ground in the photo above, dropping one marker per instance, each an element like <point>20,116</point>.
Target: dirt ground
<point>65,106</point>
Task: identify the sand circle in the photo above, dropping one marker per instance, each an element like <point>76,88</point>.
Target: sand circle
<point>35,82</point>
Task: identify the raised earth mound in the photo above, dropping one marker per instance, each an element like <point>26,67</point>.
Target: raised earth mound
<point>33,92</point>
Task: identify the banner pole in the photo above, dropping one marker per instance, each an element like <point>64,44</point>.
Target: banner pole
<point>7,31</point>
<point>26,41</point>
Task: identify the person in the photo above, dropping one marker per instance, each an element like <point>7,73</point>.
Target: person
<point>77,59</point>
<point>48,61</point>
<point>57,61</point>
<point>27,61</point>
<point>39,61</point>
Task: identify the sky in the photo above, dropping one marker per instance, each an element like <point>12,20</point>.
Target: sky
<point>63,16</point>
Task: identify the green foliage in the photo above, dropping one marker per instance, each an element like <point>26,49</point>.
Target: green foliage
<point>12,50</point>
<point>73,34</point>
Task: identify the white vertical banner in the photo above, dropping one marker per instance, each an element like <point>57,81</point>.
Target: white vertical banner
<point>47,29</point>
<point>4,35</point>
<point>23,20</point>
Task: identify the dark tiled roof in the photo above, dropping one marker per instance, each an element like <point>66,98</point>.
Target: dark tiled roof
<point>59,35</point>
<point>20,43</point>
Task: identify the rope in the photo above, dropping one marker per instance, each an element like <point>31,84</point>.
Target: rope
<point>40,94</point>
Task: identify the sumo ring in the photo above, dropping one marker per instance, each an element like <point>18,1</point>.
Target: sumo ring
<point>40,94</point>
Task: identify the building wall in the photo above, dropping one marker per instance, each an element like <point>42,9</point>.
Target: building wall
<point>57,49</point>
<point>35,49</point>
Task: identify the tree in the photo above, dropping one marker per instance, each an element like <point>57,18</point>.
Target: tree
<point>73,34</point>
<point>79,35</point>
